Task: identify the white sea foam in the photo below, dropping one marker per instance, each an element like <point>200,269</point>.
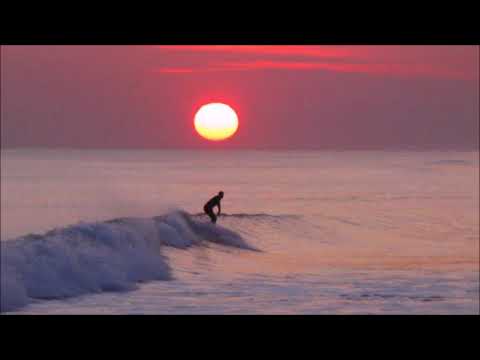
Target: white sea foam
<point>96,257</point>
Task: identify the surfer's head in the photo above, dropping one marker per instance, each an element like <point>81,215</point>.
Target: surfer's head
<point>220,194</point>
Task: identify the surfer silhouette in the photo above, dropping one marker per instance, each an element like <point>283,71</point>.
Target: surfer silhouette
<point>208,207</point>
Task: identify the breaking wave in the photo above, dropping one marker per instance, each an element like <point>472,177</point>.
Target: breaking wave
<point>106,256</point>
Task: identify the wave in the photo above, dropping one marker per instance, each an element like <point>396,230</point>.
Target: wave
<point>450,162</point>
<point>253,216</point>
<point>88,258</point>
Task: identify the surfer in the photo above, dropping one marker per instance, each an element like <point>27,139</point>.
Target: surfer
<point>208,207</point>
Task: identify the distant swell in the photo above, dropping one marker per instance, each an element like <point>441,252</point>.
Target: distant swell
<point>450,162</point>
<point>95,257</point>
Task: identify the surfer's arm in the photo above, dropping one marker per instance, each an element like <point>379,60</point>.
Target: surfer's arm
<point>219,209</point>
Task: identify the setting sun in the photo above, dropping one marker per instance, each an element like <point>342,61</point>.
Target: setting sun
<point>216,121</point>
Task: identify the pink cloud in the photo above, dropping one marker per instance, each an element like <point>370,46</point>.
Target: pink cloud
<point>435,61</point>
<point>393,68</point>
<point>378,69</point>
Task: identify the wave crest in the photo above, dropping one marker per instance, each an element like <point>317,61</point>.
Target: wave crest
<point>95,257</point>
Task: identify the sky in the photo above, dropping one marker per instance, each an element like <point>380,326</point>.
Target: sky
<point>286,97</point>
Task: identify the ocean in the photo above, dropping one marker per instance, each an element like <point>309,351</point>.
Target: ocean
<point>302,232</point>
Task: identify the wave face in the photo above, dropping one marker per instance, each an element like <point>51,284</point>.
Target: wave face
<point>95,257</point>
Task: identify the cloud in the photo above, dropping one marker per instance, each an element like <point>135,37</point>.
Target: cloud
<point>400,61</point>
<point>402,70</point>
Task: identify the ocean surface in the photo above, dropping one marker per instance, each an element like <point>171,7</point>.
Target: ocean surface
<point>303,232</point>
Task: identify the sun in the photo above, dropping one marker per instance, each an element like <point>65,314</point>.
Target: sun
<point>216,121</point>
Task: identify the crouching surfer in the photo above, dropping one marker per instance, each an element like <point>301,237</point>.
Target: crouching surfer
<point>208,207</point>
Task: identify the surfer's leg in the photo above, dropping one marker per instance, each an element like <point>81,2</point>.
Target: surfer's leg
<point>211,215</point>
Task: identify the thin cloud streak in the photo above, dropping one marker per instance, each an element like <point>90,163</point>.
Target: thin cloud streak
<point>403,70</point>
<point>403,61</point>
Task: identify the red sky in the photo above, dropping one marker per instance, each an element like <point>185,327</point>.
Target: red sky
<point>286,96</point>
